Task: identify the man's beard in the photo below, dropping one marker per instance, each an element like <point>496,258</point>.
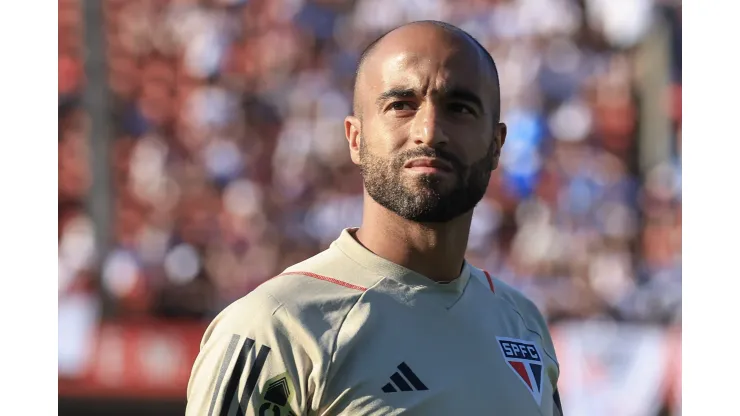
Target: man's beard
<point>428,201</point>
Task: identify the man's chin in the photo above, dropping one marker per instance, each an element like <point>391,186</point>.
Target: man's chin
<point>429,191</point>
<point>429,217</point>
<point>436,186</point>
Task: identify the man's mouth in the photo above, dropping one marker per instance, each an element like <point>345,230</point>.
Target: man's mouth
<point>429,165</point>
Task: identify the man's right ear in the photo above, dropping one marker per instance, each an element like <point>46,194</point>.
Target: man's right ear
<point>353,133</point>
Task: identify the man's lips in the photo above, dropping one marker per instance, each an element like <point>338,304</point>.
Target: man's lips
<point>428,164</point>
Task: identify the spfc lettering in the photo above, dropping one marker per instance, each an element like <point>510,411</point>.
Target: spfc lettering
<point>525,360</point>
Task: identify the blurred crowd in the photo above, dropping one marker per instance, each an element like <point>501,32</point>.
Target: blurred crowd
<point>229,161</point>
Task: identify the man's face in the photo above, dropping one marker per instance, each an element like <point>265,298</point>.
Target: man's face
<point>423,196</point>
<point>429,139</point>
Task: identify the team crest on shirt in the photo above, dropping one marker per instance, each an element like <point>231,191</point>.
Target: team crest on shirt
<point>525,360</point>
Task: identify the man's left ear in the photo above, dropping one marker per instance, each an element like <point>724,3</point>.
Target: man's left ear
<point>353,133</point>
<point>499,136</point>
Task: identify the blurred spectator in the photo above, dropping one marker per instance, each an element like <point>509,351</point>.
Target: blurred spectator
<point>230,162</point>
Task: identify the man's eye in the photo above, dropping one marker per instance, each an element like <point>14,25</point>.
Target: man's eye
<point>402,106</point>
<point>461,108</point>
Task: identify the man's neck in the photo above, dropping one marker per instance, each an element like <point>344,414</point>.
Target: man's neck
<point>435,250</point>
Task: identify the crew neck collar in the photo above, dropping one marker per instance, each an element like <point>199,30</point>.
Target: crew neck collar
<point>348,244</point>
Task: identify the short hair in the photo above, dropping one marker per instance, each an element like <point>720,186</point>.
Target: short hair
<point>447,26</point>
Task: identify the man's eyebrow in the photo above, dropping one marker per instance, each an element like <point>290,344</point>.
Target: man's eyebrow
<point>395,93</point>
<point>455,93</point>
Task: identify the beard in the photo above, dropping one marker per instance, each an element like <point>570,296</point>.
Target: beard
<point>425,198</point>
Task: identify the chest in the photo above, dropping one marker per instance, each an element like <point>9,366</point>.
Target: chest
<point>409,359</point>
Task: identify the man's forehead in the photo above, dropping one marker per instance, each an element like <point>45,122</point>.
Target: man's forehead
<point>412,69</point>
<point>407,59</point>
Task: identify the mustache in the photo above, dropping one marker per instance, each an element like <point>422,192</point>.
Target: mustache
<point>430,153</point>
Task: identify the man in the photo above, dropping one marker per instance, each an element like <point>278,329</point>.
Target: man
<point>391,319</point>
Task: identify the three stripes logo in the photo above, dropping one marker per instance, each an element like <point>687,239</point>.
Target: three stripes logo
<point>404,380</point>
<point>230,397</point>
<point>525,360</point>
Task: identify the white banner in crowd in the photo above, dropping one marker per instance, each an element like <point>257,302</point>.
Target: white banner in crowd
<point>612,370</point>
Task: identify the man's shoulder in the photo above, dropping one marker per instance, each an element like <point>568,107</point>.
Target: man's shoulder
<point>515,297</point>
<point>315,293</point>
<point>517,300</point>
<point>532,318</point>
<point>329,275</point>
<point>501,288</point>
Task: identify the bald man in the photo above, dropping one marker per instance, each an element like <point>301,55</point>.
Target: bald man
<point>391,319</point>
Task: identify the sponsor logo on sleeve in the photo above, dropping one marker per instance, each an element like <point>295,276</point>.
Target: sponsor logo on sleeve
<point>276,395</point>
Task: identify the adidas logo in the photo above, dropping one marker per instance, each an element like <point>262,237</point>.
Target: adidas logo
<point>406,382</point>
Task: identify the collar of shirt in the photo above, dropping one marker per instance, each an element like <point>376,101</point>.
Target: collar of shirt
<point>385,268</point>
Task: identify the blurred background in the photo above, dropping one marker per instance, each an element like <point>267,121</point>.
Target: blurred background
<point>201,152</point>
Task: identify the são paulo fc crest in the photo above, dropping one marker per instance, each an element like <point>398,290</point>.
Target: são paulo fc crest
<point>525,360</point>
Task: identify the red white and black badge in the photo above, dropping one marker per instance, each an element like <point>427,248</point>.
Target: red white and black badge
<point>525,361</point>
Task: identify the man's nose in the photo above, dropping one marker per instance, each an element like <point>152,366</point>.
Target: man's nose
<point>427,128</point>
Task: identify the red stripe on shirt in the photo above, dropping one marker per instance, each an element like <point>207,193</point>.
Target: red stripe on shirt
<point>327,279</point>
<point>490,282</point>
<point>519,368</point>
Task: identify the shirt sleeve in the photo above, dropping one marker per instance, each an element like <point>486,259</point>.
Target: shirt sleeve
<point>534,319</point>
<point>249,364</point>
<point>557,408</point>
